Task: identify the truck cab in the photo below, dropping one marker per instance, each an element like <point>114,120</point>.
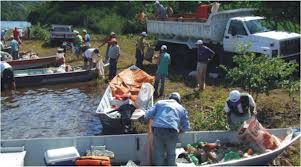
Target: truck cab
<point>60,33</point>
<point>250,33</point>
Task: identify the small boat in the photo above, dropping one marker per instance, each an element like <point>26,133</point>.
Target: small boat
<point>52,75</point>
<point>110,118</point>
<point>32,63</point>
<point>129,147</point>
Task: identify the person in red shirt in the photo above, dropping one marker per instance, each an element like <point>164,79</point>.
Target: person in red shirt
<point>16,34</point>
<point>108,40</point>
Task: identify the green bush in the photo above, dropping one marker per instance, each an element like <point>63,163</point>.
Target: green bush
<point>40,32</point>
<point>111,23</point>
<point>259,74</point>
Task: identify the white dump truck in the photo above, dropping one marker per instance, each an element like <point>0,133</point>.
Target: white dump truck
<point>230,30</point>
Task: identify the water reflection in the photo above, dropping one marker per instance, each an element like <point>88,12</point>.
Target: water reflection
<point>52,111</point>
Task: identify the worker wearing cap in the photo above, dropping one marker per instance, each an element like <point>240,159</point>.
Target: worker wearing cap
<point>108,41</point>
<point>60,57</point>
<point>140,45</point>
<point>114,53</point>
<point>204,55</point>
<point>239,107</point>
<point>162,71</point>
<point>89,54</point>
<point>160,10</point>
<point>167,118</point>
<point>86,39</point>
<point>7,76</point>
<point>78,42</point>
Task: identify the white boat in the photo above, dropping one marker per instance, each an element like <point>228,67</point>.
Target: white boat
<point>130,146</point>
<point>111,121</point>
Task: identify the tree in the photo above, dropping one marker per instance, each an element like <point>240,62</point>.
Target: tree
<point>259,74</point>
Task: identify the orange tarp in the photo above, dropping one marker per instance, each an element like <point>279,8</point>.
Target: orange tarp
<point>130,81</point>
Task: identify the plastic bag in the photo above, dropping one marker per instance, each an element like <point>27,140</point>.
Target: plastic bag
<point>100,69</point>
<point>145,96</point>
<point>254,133</point>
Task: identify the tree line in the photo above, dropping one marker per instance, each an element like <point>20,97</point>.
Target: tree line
<point>105,16</point>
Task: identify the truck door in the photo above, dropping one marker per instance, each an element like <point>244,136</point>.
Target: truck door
<point>235,36</point>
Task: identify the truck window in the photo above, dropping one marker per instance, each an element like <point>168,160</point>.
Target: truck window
<point>237,27</point>
<point>256,26</point>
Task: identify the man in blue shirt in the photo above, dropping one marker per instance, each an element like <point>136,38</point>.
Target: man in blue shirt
<point>14,48</point>
<point>162,70</point>
<point>87,39</point>
<point>204,54</point>
<point>167,119</point>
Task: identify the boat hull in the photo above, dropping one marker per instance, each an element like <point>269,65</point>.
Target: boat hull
<point>131,146</point>
<point>56,78</point>
<point>33,63</point>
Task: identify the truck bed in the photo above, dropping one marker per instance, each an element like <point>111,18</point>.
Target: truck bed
<point>189,28</point>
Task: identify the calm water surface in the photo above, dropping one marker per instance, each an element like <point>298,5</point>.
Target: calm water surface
<point>51,111</point>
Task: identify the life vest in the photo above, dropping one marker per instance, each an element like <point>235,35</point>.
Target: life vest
<point>93,161</point>
<point>244,99</point>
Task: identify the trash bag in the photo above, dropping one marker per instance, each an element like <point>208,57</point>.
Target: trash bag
<point>254,133</point>
<point>144,96</point>
<point>100,69</point>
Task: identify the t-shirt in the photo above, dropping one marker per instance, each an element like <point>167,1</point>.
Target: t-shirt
<point>160,10</point>
<point>114,52</point>
<point>87,40</point>
<point>78,41</point>
<point>89,53</point>
<point>141,44</point>
<point>14,45</point>
<point>204,54</point>
<point>239,106</point>
<point>163,65</point>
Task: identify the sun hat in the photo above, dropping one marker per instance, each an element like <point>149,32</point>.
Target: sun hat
<point>144,34</point>
<point>163,47</point>
<point>199,42</point>
<point>234,95</point>
<point>176,96</point>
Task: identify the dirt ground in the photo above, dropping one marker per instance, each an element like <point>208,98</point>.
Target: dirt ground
<point>274,111</point>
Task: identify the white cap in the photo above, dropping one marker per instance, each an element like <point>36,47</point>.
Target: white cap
<point>113,33</point>
<point>75,31</point>
<point>84,30</point>
<point>175,96</point>
<point>157,2</point>
<point>234,95</point>
<point>163,47</point>
<point>199,42</point>
<point>144,34</point>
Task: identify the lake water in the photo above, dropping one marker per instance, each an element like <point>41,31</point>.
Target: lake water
<point>52,111</point>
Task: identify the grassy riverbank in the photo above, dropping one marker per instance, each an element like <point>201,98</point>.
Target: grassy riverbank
<point>205,109</point>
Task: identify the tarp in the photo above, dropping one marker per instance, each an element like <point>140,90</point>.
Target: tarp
<point>130,81</point>
<point>13,24</point>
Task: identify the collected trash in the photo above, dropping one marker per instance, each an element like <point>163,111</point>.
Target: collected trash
<point>100,151</point>
<point>254,133</point>
<point>202,153</point>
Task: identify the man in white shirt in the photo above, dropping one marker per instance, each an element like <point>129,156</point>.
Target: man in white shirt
<point>114,53</point>
<point>88,57</point>
<point>239,107</point>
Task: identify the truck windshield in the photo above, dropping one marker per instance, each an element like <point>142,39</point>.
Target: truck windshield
<point>256,26</point>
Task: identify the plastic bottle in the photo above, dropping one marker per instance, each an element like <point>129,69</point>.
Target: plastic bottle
<point>193,159</point>
<point>231,155</point>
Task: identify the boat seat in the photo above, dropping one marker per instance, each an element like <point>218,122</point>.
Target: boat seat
<point>12,156</point>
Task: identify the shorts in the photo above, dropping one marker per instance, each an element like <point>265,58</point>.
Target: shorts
<point>7,79</point>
